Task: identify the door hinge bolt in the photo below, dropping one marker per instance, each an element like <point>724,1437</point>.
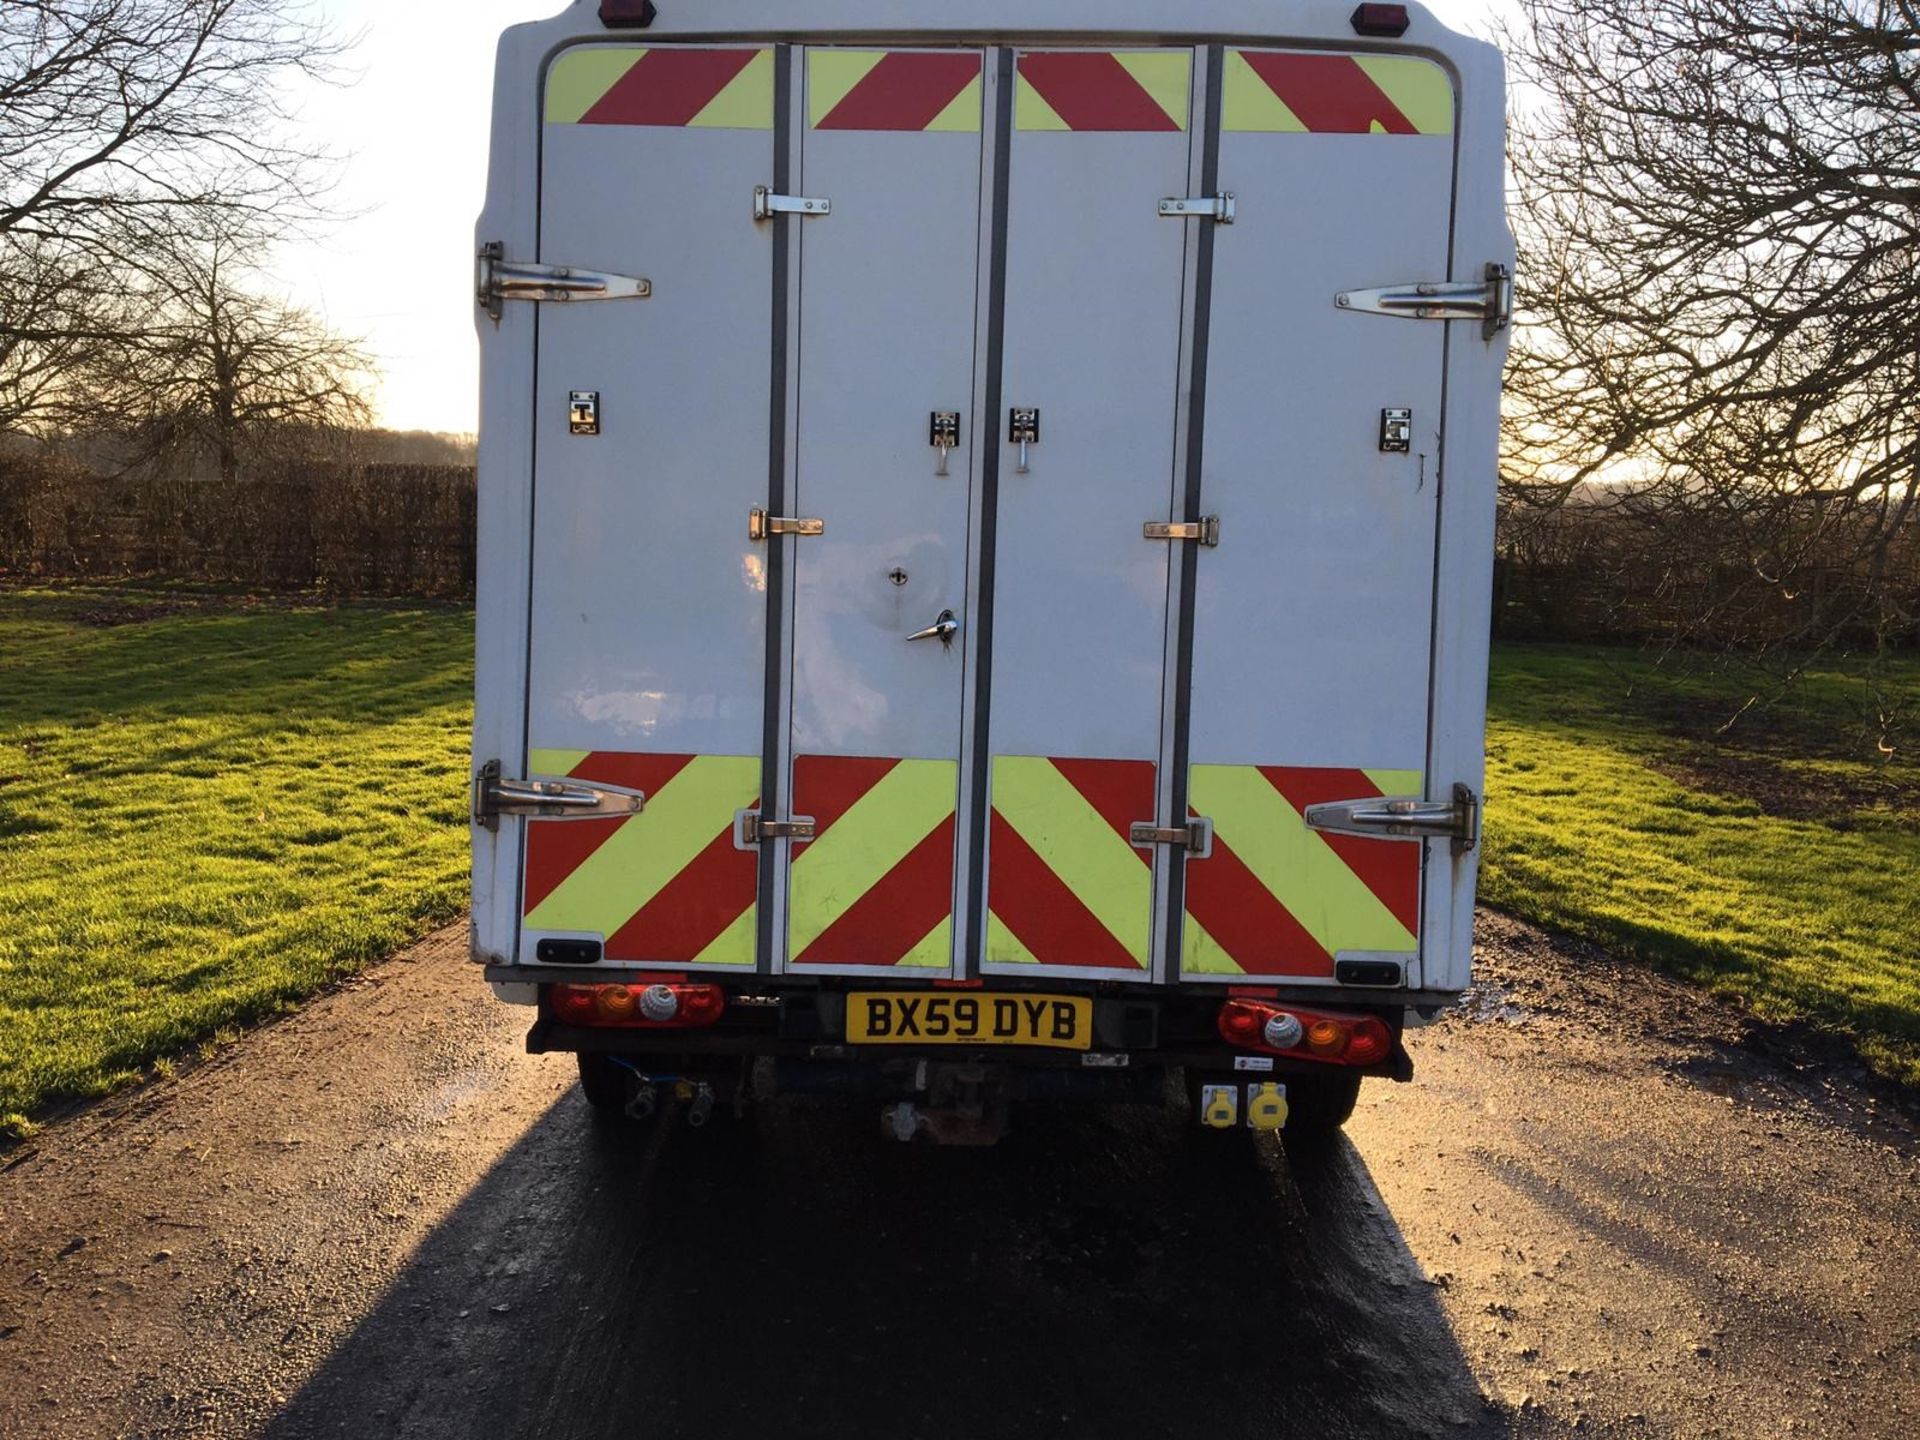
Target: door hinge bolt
<point>1220,208</point>
<point>1195,839</point>
<point>1387,818</point>
<point>761,525</point>
<point>1206,530</point>
<point>766,204</point>
<point>494,796</point>
<point>755,829</point>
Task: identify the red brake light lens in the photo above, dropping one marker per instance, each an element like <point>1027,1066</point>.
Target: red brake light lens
<point>627,14</point>
<point>1390,21</point>
<point>632,1007</point>
<point>1335,1037</point>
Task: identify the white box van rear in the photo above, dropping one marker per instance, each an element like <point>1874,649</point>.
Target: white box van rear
<point>986,538</point>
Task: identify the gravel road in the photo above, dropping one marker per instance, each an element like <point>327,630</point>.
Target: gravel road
<point>1607,1206</point>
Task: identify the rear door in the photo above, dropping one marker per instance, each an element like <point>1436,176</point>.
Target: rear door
<point>1312,619</point>
<point>887,318</point>
<point>1093,324</point>
<point>647,661</point>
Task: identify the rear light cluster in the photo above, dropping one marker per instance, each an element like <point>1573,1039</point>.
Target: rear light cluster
<point>1305,1034</point>
<point>638,1007</point>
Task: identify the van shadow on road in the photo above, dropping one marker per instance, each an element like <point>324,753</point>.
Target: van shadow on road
<point>1100,1272</point>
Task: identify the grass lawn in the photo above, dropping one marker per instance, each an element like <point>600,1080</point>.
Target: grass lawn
<point>1779,863</point>
<point>209,808</point>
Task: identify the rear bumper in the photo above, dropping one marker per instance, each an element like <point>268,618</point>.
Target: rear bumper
<point>1142,1030</point>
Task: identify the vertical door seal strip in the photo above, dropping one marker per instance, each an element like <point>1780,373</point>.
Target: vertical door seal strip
<point>969,959</point>
<point>770,746</point>
<point>1196,452</point>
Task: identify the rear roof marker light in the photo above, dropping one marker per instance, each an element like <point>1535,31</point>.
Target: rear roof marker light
<point>1390,21</point>
<point>629,14</point>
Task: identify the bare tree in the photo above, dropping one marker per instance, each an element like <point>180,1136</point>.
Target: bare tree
<point>218,373</point>
<point>120,121</point>
<point>1719,206</point>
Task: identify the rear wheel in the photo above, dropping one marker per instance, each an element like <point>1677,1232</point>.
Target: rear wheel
<point>603,1080</point>
<point>1321,1104</point>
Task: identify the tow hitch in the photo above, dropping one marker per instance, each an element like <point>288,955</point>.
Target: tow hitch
<point>967,1105</point>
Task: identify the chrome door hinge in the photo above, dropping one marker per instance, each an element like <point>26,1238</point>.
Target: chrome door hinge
<point>547,799</point>
<point>1195,839</point>
<point>1219,208</point>
<point>498,280</point>
<point>1458,820</point>
<point>755,829</point>
<point>766,204</point>
<point>760,525</point>
<point>1490,300</point>
<point>1206,530</point>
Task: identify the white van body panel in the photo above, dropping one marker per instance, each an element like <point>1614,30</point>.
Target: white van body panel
<point>993,258</point>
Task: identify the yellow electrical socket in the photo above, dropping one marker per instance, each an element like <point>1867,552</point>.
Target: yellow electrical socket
<point>1267,1105</point>
<point>1220,1106</point>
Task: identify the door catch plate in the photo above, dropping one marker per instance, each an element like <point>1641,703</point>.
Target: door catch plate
<point>1206,530</point>
<point>1202,207</point>
<point>547,799</point>
<point>766,204</point>
<point>583,412</point>
<point>760,525</point>
<point>1023,429</point>
<point>943,433</point>
<point>1388,819</point>
<point>1195,839</point>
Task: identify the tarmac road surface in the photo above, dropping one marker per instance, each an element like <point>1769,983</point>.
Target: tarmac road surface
<point>1606,1206</point>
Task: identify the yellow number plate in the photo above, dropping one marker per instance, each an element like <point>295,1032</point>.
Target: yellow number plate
<point>1059,1022</point>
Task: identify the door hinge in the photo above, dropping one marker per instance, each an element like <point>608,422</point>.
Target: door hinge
<point>757,830</point>
<point>1457,820</point>
<point>1195,839</point>
<point>760,525</point>
<point>498,280</point>
<point>547,799</point>
<point>766,204</point>
<point>1206,530</point>
<point>1489,300</point>
<point>1218,208</point>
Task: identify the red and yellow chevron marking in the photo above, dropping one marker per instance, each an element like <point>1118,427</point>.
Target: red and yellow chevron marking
<point>629,85</point>
<point>1284,91</point>
<point>875,884</point>
<point>1102,90</point>
<point>1275,898</point>
<point>668,886</point>
<point>894,90</point>
<point>1064,886</point>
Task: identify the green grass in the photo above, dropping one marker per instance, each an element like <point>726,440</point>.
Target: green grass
<point>1779,862</point>
<point>209,808</point>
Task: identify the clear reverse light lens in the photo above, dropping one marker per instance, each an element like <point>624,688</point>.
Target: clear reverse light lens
<point>1283,1032</point>
<point>659,1004</point>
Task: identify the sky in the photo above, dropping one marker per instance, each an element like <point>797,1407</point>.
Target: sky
<point>410,127</point>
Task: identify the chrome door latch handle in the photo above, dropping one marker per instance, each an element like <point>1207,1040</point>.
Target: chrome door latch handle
<point>943,629</point>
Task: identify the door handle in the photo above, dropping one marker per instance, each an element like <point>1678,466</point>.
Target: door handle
<point>943,629</point>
